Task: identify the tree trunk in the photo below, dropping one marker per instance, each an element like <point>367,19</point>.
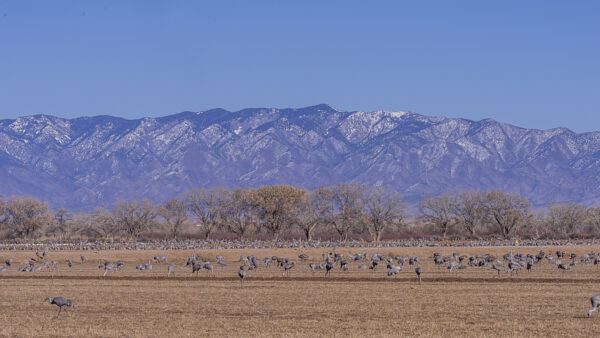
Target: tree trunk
<point>308,234</point>
<point>445,227</point>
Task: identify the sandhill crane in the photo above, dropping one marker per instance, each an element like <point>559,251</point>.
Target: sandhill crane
<point>209,267</point>
<point>394,269</point>
<point>595,303</point>
<point>69,263</point>
<point>82,258</point>
<point>242,274</point>
<point>254,262</point>
<point>312,267</point>
<point>287,268</point>
<point>303,256</point>
<point>170,269</point>
<point>196,268</point>
<point>498,268</point>
<point>8,262</point>
<point>562,267</point>
<point>108,266</point>
<point>328,268</point>
<point>418,272</point>
<point>2,268</point>
<point>343,265</point>
<point>60,302</point>
<point>191,260</point>
<point>160,259</point>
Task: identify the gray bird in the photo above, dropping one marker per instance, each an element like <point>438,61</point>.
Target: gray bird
<point>242,274</point>
<point>287,268</point>
<point>595,303</point>
<point>69,263</point>
<point>60,302</point>
<point>82,259</point>
<point>418,272</point>
<point>8,262</point>
<point>171,269</point>
<point>209,267</point>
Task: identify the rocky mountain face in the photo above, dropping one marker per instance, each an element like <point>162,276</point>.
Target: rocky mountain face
<point>95,161</point>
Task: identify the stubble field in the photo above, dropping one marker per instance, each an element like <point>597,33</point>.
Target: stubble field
<point>474,302</point>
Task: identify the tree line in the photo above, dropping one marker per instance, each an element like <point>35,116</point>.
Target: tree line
<point>273,211</point>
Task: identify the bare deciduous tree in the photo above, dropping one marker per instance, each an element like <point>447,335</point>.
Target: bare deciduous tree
<point>567,218</point>
<point>25,217</point>
<point>174,214</point>
<point>208,208</point>
<point>439,211</point>
<point>346,209</point>
<point>135,217</point>
<point>470,211</point>
<point>238,212</point>
<point>508,211</point>
<point>276,205</point>
<point>312,211</point>
<point>384,208</point>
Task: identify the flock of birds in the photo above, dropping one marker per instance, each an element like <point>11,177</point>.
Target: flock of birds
<point>333,261</point>
<point>224,244</point>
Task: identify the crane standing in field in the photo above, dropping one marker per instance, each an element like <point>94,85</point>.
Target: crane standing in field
<point>170,269</point>
<point>595,303</point>
<point>242,274</point>
<point>60,302</point>
<point>418,272</point>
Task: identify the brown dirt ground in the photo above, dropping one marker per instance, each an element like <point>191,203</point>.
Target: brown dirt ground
<point>475,302</point>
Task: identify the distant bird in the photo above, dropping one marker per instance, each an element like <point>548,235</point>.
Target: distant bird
<point>69,263</point>
<point>8,262</point>
<point>394,270</point>
<point>196,268</point>
<point>287,268</point>
<point>82,259</point>
<point>328,268</point>
<point>595,303</point>
<point>170,269</point>
<point>529,265</point>
<point>242,274</point>
<point>209,267</point>
<point>312,267</point>
<point>418,272</point>
<point>60,302</point>
<point>303,256</point>
<point>2,268</point>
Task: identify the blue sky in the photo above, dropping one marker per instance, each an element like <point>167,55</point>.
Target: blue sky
<point>531,63</point>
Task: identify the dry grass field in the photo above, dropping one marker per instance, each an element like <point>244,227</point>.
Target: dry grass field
<point>475,302</point>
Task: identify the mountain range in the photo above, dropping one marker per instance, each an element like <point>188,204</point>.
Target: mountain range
<point>85,162</point>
